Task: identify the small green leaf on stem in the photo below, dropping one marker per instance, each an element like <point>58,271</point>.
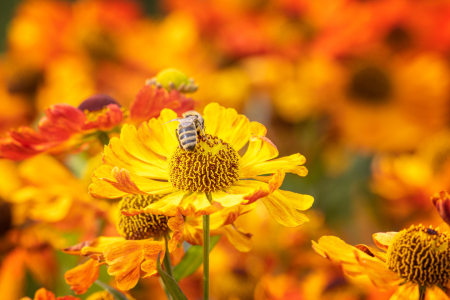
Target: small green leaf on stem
<point>171,285</point>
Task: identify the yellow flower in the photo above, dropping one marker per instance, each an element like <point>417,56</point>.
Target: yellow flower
<point>417,261</point>
<point>149,161</point>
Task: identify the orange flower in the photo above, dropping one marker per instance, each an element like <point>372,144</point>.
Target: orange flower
<point>43,294</point>
<point>125,258</point>
<point>69,128</point>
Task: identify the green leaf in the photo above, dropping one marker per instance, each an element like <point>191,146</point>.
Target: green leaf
<point>171,285</point>
<point>114,292</point>
<point>192,260</point>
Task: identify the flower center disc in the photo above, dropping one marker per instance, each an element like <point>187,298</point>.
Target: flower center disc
<point>142,226</point>
<point>420,255</point>
<point>212,165</point>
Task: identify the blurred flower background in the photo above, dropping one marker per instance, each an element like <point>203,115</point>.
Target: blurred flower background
<point>360,88</point>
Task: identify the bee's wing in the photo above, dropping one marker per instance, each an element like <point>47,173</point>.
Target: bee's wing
<point>177,119</point>
<point>187,121</point>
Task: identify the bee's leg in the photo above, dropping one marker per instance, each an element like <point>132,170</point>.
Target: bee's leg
<point>178,137</point>
<point>203,132</point>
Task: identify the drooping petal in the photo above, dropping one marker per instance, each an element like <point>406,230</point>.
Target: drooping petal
<point>176,225</point>
<point>125,258</point>
<point>383,239</point>
<point>151,251</point>
<point>240,239</point>
<point>100,188</point>
<point>252,190</point>
<point>228,215</point>
<point>231,127</point>
<point>284,207</point>
<point>160,137</point>
<point>356,263</point>
<point>82,277</point>
<point>89,248</point>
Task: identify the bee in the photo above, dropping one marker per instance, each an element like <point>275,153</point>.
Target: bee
<point>191,125</point>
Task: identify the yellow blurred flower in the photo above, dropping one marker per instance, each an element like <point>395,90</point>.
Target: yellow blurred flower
<point>390,105</point>
<point>410,178</point>
<point>150,161</point>
<point>416,263</point>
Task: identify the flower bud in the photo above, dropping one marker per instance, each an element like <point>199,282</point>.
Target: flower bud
<point>441,201</point>
<point>97,103</point>
<point>173,79</point>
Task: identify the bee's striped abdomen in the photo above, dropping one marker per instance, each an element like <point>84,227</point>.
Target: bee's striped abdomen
<point>188,137</point>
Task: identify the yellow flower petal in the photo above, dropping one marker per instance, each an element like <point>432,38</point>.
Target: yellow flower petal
<point>283,206</point>
<point>227,199</point>
<point>435,293</point>
<point>408,291</point>
<point>133,145</point>
<point>289,164</point>
<point>125,258</point>
<point>228,215</point>
<point>102,189</point>
<point>159,137</point>
<point>255,190</point>
<point>128,183</point>
<point>383,239</point>
<point>115,155</point>
<point>193,233</point>
<point>240,239</point>
<point>99,245</point>
<point>193,205</point>
<point>227,124</point>
<point>82,277</point>
<point>260,148</point>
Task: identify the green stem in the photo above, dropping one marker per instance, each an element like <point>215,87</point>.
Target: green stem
<point>166,262</point>
<point>206,257</point>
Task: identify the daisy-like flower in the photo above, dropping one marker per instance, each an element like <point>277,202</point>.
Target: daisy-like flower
<point>150,161</point>
<point>417,261</point>
<point>140,243</point>
<point>66,127</point>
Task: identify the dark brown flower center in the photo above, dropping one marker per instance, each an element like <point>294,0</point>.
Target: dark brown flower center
<point>370,85</point>
<point>420,255</point>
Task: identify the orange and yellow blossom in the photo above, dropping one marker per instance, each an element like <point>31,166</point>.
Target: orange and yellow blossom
<point>134,252</point>
<point>415,264</point>
<point>149,161</point>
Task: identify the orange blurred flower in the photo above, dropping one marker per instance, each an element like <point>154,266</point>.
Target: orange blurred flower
<point>72,128</point>
<point>43,294</point>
